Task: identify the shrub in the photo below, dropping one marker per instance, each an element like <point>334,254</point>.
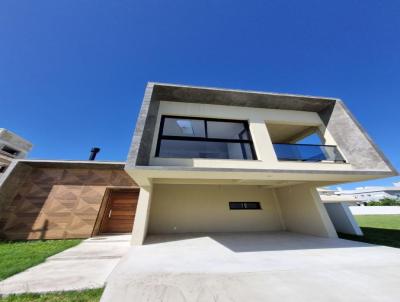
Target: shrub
<point>385,202</point>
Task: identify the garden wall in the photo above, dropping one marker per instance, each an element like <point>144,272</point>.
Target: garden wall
<point>375,210</point>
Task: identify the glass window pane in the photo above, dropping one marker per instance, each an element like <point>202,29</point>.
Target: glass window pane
<point>252,205</point>
<point>201,149</point>
<point>233,205</point>
<point>227,130</point>
<point>183,127</point>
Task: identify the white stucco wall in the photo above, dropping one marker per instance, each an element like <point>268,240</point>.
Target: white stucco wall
<point>303,211</point>
<point>205,208</point>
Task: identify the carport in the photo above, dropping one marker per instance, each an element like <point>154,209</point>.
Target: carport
<point>212,208</point>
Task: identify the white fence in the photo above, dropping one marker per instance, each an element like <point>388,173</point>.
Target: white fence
<point>375,210</point>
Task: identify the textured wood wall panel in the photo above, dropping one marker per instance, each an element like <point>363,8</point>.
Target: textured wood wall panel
<point>55,203</point>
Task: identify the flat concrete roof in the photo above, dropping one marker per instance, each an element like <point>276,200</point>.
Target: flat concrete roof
<point>236,97</point>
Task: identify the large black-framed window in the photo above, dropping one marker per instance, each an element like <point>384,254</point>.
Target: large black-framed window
<point>194,137</point>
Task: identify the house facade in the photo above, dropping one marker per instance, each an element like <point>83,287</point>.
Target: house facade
<point>202,160</point>
<point>363,195</point>
<point>218,160</point>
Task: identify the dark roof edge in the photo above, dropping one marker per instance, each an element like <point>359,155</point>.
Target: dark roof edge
<point>72,163</point>
<point>241,91</point>
<point>369,139</point>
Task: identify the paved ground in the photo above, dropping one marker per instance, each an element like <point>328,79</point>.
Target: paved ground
<point>85,266</point>
<point>255,267</point>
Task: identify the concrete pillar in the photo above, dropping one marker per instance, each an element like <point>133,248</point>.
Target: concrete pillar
<point>262,140</point>
<point>303,211</point>
<point>142,216</point>
<point>342,218</point>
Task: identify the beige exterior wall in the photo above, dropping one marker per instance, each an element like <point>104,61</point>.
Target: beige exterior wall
<point>257,118</point>
<point>303,211</point>
<point>205,208</point>
<point>140,225</point>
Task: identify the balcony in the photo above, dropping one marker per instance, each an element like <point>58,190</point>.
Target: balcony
<point>308,153</point>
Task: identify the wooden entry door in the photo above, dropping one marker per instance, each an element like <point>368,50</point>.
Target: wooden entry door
<point>119,212</point>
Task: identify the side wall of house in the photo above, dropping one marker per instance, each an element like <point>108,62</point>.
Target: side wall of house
<point>303,211</point>
<point>205,208</point>
<point>56,203</point>
<point>342,219</point>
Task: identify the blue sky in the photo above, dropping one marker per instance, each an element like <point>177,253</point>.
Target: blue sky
<point>72,73</point>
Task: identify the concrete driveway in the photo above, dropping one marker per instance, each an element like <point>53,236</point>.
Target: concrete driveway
<point>255,267</point>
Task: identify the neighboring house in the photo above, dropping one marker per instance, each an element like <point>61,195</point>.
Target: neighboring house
<point>361,195</point>
<point>331,196</point>
<point>12,147</point>
<point>202,160</point>
<point>366,194</point>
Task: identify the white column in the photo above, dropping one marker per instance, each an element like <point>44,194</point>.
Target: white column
<point>262,141</point>
<point>142,216</point>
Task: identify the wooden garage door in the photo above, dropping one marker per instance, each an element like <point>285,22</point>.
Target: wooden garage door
<point>120,212</point>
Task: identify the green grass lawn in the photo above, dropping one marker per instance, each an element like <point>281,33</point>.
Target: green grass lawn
<point>90,295</point>
<point>391,222</point>
<point>17,256</point>
<point>378,229</point>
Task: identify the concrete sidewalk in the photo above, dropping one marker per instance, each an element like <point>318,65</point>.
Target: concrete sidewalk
<point>84,266</point>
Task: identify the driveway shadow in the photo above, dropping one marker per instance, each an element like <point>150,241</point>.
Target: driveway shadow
<point>259,241</point>
<point>389,237</point>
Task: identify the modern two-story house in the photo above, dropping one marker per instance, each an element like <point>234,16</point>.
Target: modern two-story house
<point>202,160</point>
<point>221,160</point>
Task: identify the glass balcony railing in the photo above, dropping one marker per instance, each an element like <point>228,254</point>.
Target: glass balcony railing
<point>308,153</point>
